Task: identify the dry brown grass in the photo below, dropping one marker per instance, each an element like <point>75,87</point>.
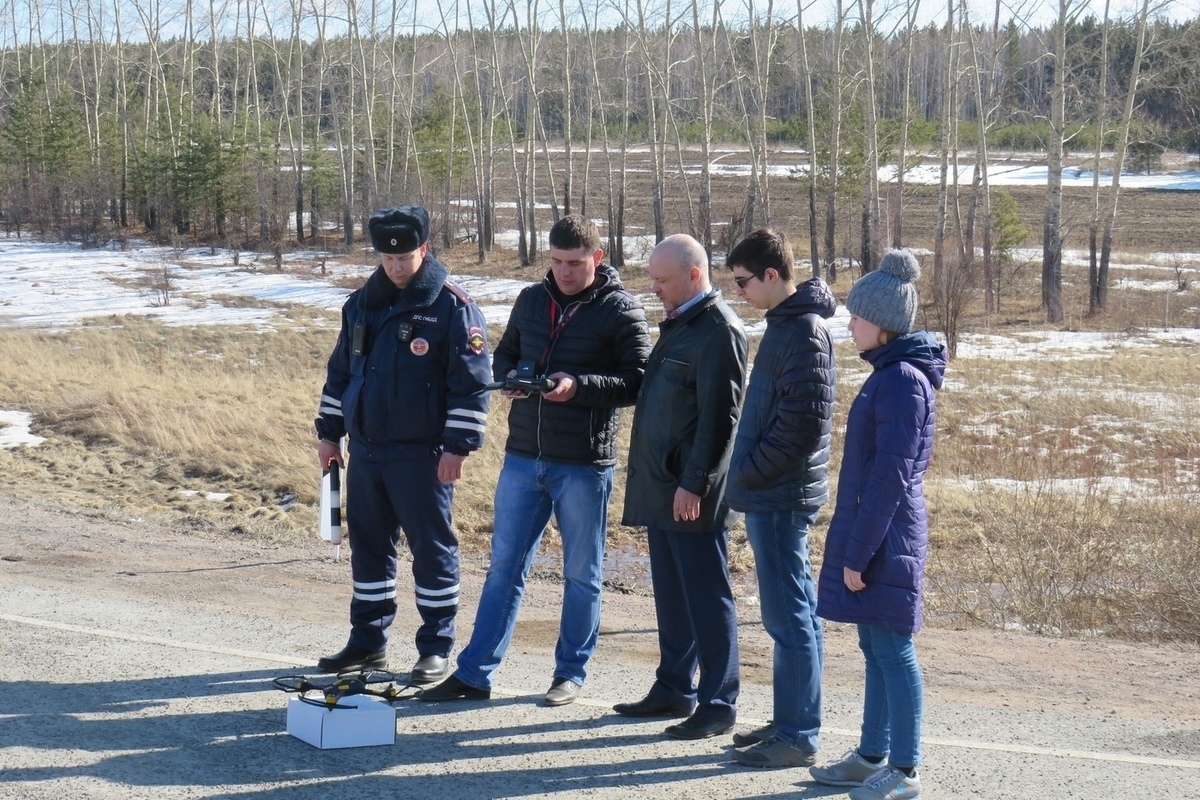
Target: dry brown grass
<point>1063,490</point>
<point>1072,563</point>
<point>136,413</point>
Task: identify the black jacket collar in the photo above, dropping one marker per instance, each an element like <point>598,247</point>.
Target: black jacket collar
<point>607,280</point>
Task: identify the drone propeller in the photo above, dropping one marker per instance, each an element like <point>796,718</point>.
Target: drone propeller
<point>344,685</point>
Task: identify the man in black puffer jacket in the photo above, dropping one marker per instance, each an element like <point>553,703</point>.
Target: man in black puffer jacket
<point>584,332</point>
<point>779,478</point>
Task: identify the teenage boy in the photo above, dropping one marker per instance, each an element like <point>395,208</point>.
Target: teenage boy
<point>778,478</point>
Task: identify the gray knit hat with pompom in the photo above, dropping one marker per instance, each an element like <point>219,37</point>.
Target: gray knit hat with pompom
<point>886,296</point>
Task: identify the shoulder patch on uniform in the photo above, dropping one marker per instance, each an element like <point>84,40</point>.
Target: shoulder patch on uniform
<point>459,292</point>
<point>476,340</point>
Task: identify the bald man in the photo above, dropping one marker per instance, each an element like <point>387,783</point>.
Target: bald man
<point>683,429</point>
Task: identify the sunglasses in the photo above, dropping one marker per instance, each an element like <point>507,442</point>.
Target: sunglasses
<point>742,281</point>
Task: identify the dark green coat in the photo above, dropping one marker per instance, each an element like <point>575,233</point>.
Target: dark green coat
<point>685,419</point>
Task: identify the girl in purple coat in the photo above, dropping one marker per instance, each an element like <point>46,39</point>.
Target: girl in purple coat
<point>877,541</point>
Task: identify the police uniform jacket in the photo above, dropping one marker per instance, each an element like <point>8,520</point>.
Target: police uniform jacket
<point>600,337</point>
<point>408,375</point>
<point>686,415</point>
<point>781,455</point>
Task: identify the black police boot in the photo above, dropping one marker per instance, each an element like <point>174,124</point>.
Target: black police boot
<point>430,669</point>
<point>351,657</point>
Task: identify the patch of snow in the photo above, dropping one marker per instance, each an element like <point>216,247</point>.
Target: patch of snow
<point>1025,174</point>
<point>216,497</point>
<point>1148,286</point>
<point>1067,345</point>
<point>58,285</point>
<point>1115,486</point>
<point>14,430</point>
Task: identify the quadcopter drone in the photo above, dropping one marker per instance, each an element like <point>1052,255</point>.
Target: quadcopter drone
<point>332,690</point>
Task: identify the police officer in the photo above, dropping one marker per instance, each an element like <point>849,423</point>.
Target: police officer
<point>407,382</point>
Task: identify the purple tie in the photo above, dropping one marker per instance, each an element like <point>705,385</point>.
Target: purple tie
<point>673,313</point>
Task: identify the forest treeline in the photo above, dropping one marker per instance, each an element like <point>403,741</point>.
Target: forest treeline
<point>263,123</point>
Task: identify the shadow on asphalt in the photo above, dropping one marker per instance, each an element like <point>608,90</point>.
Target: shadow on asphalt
<point>176,732</point>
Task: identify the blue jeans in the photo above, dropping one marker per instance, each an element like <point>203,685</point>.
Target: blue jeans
<point>893,702</point>
<point>789,613</point>
<point>527,492</point>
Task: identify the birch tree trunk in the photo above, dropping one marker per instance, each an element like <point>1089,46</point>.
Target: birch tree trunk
<point>367,76</point>
<point>343,131</point>
<point>485,121</point>
<point>286,126</point>
<point>985,93</point>
<point>127,133</point>
<point>1052,234</point>
<point>706,57</point>
<point>618,251</point>
<point>835,144</point>
<point>653,80</point>
<point>948,111</point>
<point>266,182</point>
<point>762,80</point>
<point>91,200</point>
<point>954,189</point>
<point>476,158</point>
<point>811,119</point>
<point>568,100</point>
<point>296,135</point>
<point>535,127</point>
<point>910,30</point>
<point>490,9</point>
<point>1101,284</point>
<point>672,122</point>
<point>871,241</point>
<point>1097,151</point>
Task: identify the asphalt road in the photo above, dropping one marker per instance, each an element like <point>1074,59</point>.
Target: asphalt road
<point>137,663</point>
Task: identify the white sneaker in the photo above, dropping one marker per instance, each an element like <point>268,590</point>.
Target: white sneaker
<point>849,770</point>
<point>888,783</point>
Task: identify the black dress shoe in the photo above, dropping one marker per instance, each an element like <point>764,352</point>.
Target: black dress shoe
<point>649,707</point>
<point>351,657</point>
<point>430,669</point>
<point>696,727</point>
<point>453,689</point>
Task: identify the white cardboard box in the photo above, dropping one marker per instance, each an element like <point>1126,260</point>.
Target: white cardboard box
<point>371,722</point>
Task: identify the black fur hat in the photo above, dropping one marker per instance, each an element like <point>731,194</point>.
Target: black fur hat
<point>399,230</point>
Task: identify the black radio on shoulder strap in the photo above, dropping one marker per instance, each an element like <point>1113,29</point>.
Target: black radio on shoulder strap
<point>358,342</point>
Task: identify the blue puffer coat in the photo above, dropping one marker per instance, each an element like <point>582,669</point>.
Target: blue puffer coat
<point>781,456</point>
<point>879,525</point>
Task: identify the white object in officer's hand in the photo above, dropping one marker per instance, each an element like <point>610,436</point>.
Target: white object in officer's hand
<point>330,528</point>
